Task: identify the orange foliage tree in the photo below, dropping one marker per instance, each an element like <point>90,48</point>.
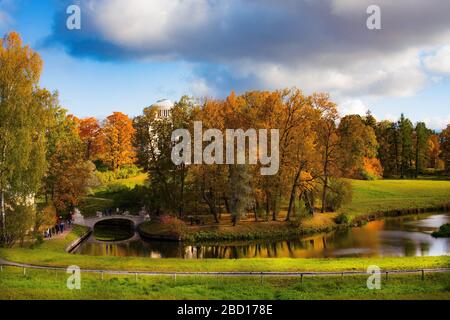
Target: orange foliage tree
<point>119,132</point>
<point>92,136</point>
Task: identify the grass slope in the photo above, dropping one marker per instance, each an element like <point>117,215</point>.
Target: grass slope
<point>385,195</point>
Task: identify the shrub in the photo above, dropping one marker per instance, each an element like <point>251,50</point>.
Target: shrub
<point>125,172</point>
<point>342,219</point>
<point>444,231</point>
<point>372,169</point>
<point>339,194</point>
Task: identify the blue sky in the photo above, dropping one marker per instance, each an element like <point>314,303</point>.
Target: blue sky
<point>129,54</point>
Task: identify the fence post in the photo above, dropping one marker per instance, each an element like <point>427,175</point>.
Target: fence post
<point>24,271</point>
<point>175,277</point>
<point>261,278</point>
<point>102,275</point>
<point>301,278</point>
<point>136,276</point>
<point>423,274</point>
<point>387,274</point>
<point>1,268</point>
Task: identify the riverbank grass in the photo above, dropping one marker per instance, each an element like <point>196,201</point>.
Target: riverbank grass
<point>388,195</point>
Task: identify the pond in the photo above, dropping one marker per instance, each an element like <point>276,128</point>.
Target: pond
<point>401,236</point>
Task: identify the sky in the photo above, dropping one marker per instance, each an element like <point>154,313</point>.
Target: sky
<point>129,54</point>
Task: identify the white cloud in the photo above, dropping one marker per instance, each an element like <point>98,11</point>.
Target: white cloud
<point>261,44</point>
<point>354,106</point>
<point>439,61</point>
<point>437,123</point>
<point>143,23</point>
<point>200,88</point>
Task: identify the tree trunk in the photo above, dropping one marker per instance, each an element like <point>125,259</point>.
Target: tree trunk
<point>267,206</point>
<point>417,157</point>
<point>181,209</point>
<point>292,198</point>
<point>324,194</point>
<point>209,199</point>
<point>227,204</point>
<point>256,209</point>
<point>2,208</point>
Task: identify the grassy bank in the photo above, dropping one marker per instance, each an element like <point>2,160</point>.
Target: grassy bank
<point>244,230</point>
<point>52,285</point>
<point>388,195</point>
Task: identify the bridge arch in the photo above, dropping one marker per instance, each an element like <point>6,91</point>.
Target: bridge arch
<point>91,222</point>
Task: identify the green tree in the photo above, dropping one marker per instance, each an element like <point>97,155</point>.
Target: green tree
<point>23,116</point>
<point>153,143</point>
<point>422,134</point>
<point>386,132</point>
<point>405,129</point>
<point>240,191</point>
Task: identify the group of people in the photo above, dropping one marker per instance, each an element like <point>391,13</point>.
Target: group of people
<point>59,228</point>
<point>109,212</point>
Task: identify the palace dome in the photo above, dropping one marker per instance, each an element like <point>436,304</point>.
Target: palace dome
<point>164,104</point>
<point>163,108</point>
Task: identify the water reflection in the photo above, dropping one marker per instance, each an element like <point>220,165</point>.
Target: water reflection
<point>404,236</point>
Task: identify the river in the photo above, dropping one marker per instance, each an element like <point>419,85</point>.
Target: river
<point>400,236</point>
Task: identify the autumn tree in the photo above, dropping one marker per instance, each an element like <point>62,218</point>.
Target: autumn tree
<point>357,142</point>
<point>434,151</point>
<point>327,141</point>
<point>304,167</point>
<point>119,132</point>
<point>92,136</point>
<point>211,180</point>
<point>445,145</point>
<point>70,175</point>
<point>23,118</point>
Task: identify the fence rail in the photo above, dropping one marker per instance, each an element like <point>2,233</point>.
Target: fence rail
<point>226,273</point>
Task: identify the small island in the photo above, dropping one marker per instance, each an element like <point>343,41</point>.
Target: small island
<point>443,232</point>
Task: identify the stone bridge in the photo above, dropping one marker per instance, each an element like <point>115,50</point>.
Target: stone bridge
<point>91,221</point>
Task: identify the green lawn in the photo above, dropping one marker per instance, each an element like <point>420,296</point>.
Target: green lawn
<point>385,195</point>
<point>48,285</point>
<point>102,197</point>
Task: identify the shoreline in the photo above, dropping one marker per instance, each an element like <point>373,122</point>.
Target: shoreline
<point>285,231</point>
